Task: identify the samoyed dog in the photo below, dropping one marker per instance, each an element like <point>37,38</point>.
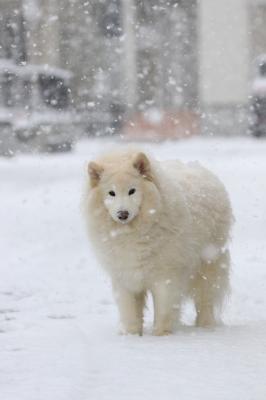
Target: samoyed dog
<point>163,228</point>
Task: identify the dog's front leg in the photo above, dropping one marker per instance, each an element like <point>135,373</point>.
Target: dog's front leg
<point>166,307</point>
<point>130,307</point>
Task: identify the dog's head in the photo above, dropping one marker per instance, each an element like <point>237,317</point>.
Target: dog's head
<point>125,186</point>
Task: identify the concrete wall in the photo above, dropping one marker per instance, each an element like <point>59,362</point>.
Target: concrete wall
<point>257,22</point>
<point>43,40</point>
<point>224,54</point>
<point>224,65</point>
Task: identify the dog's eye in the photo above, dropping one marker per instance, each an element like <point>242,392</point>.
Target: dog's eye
<point>112,193</point>
<point>132,191</point>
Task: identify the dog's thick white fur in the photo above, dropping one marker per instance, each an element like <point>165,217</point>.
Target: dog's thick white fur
<point>160,227</point>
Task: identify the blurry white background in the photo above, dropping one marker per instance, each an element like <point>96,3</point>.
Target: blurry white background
<point>147,69</point>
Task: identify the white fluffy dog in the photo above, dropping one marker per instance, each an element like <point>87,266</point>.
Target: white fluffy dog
<point>160,227</point>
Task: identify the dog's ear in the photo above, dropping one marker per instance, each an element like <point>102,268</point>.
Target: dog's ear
<point>142,164</point>
<point>95,171</point>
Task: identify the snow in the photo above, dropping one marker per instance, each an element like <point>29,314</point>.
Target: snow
<point>30,70</point>
<point>58,321</point>
<point>22,119</point>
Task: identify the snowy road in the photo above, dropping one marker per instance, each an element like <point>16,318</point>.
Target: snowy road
<point>58,322</point>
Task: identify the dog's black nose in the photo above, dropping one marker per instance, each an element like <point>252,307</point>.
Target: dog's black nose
<point>123,215</point>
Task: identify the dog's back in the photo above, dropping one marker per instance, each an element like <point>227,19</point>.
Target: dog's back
<point>206,198</point>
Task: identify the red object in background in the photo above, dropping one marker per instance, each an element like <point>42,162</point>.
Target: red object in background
<point>160,125</point>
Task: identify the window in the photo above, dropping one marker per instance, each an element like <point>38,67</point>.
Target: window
<point>262,69</point>
<point>13,41</point>
<point>111,24</point>
<point>54,91</point>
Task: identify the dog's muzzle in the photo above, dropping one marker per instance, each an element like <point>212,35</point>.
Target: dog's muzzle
<point>123,215</point>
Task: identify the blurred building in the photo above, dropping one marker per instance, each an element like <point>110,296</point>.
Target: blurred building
<point>141,59</point>
<point>35,95</point>
<point>191,60</point>
<point>131,58</point>
<point>171,65</point>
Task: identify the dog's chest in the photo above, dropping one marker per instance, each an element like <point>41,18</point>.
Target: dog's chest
<point>130,258</point>
<point>132,252</point>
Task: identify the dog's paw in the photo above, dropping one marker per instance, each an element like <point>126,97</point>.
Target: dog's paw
<point>161,332</point>
<point>130,330</point>
<point>205,321</point>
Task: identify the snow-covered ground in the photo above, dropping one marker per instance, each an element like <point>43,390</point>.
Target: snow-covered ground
<point>58,322</point>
